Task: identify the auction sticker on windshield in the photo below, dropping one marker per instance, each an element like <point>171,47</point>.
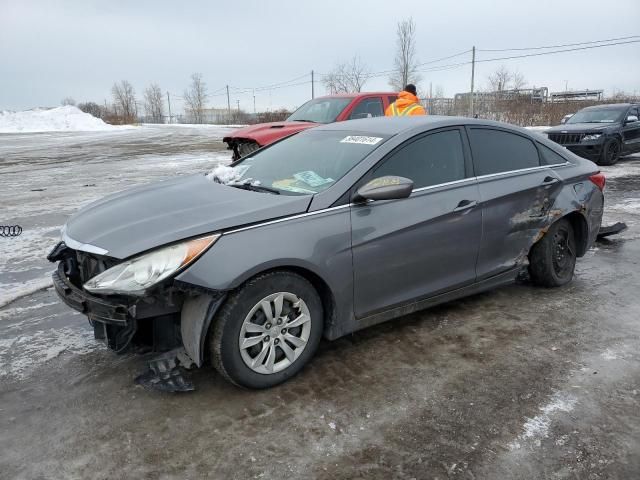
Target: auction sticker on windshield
<point>361,139</point>
<point>311,178</point>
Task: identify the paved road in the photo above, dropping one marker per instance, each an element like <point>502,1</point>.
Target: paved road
<point>520,382</point>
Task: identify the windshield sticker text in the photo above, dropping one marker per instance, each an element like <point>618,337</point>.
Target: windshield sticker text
<point>361,140</point>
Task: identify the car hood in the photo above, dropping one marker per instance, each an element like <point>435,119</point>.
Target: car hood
<point>266,133</point>
<point>581,127</point>
<point>132,221</point>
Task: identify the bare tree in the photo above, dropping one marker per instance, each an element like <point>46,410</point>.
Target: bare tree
<point>347,77</point>
<point>518,81</point>
<point>92,108</point>
<point>439,92</point>
<point>500,79</point>
<point>67,101</point>
<point>405,61</point>
<point>504,79</point>
<point>124,101</point>
<point>196,97</point>
<point>154,103</point>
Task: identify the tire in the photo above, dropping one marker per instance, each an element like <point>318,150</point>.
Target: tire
<point>610,152</point>
<point>243,320</point>
<point>552,260</point>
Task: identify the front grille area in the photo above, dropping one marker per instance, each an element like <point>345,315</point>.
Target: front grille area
<point>566,138</point>
<point>82,266</point>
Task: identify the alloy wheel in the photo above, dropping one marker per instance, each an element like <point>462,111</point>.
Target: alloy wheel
<point>275,333</point>
<point>613,151</point>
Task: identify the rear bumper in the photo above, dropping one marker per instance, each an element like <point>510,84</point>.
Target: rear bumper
<point>97,309</point>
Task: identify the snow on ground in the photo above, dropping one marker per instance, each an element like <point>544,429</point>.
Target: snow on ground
<point>625,167</point>
<point>67,118</point>
<point>23,353</point>
<point>537,427</point>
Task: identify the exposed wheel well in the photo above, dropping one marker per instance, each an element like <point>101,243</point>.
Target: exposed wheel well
<point>581,231</point>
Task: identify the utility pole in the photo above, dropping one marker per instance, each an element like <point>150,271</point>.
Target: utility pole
<point>312,85</point>
<point>254,101</point>
<point>238,104</point>
<point>228,103</point>
<point>169,102</point>
<point>429,109</point>
<point>473,72</point>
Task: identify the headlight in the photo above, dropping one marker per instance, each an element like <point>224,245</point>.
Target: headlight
<point>140,273</point>
<point>588,138</point>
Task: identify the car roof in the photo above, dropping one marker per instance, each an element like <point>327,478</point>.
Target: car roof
<point>394,125</point>
<point>610,106</point>
<point>354,95</point>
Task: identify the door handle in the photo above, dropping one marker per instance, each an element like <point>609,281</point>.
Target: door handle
<point>549,180</point>
<point>465,205</point>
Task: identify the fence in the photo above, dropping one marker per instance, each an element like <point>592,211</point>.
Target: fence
<point>523,110</point>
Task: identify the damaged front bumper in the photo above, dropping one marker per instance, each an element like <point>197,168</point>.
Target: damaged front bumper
<point>173,317</point>
<point>114,322</point>
<point>97,309</point>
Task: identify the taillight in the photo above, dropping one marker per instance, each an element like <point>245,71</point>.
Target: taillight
<point>598,180</point>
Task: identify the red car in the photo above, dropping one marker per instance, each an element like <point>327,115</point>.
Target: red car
<point>329,109</point>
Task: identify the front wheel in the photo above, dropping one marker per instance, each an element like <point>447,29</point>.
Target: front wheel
<point>267,330</point>
<point>610,152</point>
<point>552,260</point>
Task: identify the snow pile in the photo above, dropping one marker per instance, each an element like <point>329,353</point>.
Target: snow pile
<point>67,118</point>
<point>225,174</point>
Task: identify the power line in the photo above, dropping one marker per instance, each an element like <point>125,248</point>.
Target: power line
<point>268,87</point>
<point>495,59</point>
<point>556,51</point>
<point>555,46</point>
<point>444,58</point>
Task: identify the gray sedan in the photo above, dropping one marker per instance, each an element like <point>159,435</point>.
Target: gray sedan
<point>332,230</point>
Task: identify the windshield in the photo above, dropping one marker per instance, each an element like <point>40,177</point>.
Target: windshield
<point>320,110</point>
<point>308,162</point>
<point>606,115</point>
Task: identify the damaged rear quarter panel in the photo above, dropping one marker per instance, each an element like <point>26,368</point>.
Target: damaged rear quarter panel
<point>532,202</point>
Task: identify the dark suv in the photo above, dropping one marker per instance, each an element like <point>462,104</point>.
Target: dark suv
<point>601,133</point>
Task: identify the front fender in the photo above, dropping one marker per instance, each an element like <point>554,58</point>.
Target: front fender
<point>318,242</point>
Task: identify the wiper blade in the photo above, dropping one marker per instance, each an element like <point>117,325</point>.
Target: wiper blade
<point>309,121</point>
<point>255,188</point>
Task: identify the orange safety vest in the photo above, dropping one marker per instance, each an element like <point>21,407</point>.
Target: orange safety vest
<point>396,112</point>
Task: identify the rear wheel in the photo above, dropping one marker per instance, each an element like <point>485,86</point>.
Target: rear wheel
<point>610,152</point>
<point>552,260</point>
<point>267,330</point>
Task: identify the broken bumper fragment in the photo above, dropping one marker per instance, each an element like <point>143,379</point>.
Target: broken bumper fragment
<point>97,309</point>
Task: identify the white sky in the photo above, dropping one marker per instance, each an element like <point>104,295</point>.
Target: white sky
<point>53,49</point>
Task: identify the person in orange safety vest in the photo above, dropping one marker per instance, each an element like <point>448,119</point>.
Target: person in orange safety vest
<point>407,104</point>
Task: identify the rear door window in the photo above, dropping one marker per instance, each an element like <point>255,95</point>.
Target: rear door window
<point>549,157</point>
<point>496,151</point>
<point>431,160</point>
<point>369,107</point>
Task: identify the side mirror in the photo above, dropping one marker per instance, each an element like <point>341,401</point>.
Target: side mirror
<point>565,118</point>
<point>631,119</point>
<point>389,187</point>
